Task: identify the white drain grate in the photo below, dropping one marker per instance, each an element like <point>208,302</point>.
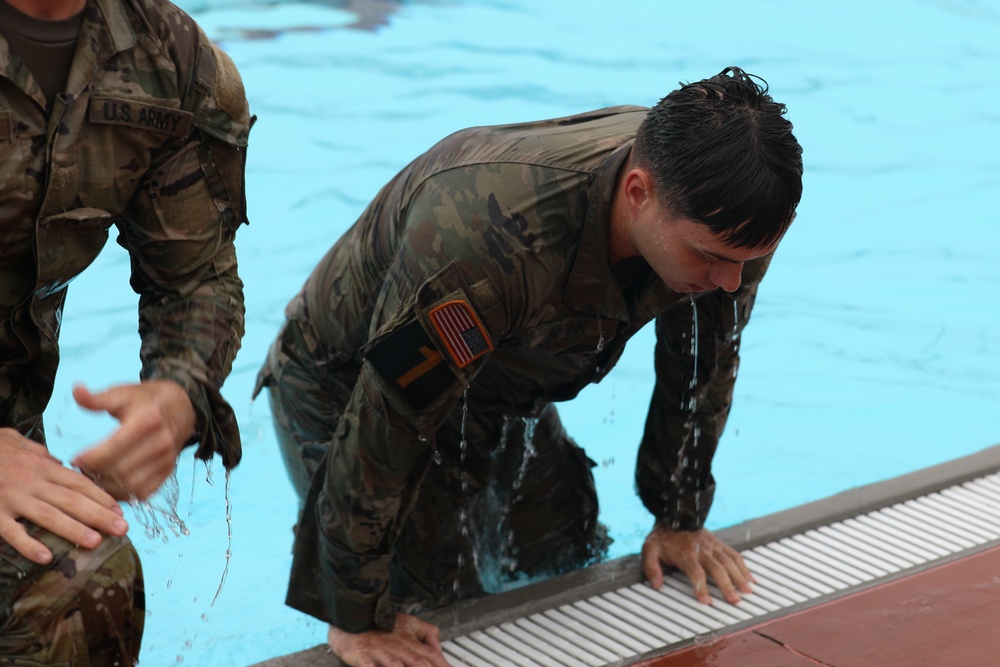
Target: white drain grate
<point>616,627</point>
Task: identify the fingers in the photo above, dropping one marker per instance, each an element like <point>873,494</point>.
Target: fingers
<point>156,418</point>
<point>38,450</point>
<point>727,569</point>
<point>82,486</point>
<point>85,399</point>
<point>702,557</point>
<point>133,461</point>
<point>423,631</point>
<point>652,566</point>
<point>76,516</point>
<point>691,565</point>
<point>14,534</point>
<point>411,643</point>
<point>38,489</point>
<point>67,513</point>
<point>56,521</point>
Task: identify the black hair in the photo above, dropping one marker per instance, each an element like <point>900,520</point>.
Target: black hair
<point>721,153</point>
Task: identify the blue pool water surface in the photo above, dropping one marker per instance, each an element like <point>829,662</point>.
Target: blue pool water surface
<point>874,349</point>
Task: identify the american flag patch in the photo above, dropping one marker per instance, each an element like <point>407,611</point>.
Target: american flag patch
<point>461,331</point>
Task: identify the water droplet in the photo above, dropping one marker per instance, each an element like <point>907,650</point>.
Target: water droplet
<point>436,457</point>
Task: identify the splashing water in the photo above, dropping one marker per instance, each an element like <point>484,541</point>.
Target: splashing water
<point>463,444</point>
<point>736,339</point>
<point>208,473</point>
<point>529,449</point>
<point>463,515</point>
<point>162,505</point>
<point>504,435</point>
<point>692,402</point>
<point>694,351</point>
<point>736,320</point>
<point>229,531</point>
<point>194,475</point>
<point>492,553</point>
<point>600,335</point>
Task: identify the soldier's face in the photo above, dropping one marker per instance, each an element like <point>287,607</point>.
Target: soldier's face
<point>688,257</point>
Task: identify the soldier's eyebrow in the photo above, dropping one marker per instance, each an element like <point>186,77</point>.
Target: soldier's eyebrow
<point>723,257</point>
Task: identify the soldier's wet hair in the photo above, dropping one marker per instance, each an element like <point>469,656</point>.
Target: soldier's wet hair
<point>721,152</point>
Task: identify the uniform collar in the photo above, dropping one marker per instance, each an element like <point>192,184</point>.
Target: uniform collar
<point>13,69</point>
<point>592,287</point>
<point>106,30</point>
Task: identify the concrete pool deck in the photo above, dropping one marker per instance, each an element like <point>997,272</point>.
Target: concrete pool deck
<point>904,572</point>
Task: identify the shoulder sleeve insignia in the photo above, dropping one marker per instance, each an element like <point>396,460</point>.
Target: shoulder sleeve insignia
<point>408,361</point>
<point>461,331</point>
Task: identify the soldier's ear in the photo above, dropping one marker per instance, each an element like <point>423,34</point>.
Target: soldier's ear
<point>639,191</point>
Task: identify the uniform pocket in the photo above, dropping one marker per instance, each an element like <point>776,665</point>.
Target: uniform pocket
<point>68,243</point>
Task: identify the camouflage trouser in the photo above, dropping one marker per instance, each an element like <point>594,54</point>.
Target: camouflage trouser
<point>488,515</point>
<point>86,608</point>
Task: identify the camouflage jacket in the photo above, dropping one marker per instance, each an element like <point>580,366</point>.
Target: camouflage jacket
<point>484,263</point>
<point>149,136</point>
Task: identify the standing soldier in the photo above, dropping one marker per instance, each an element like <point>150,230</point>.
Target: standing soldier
<point>413,383</point>
<point>112,112</point>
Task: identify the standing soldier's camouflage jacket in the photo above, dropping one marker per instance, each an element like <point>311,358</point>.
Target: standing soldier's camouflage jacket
<point>150,137</point>
<point>481,271</point>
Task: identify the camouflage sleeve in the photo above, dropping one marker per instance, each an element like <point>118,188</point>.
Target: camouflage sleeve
<point>696,358</point>
<point>179,230</point>
<point>434,325</point>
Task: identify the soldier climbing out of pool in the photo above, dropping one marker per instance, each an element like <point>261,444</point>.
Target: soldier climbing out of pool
<point>414,381</point>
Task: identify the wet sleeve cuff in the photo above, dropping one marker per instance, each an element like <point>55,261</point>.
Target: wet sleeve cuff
<point>216,430</point>
<point>680,509</point>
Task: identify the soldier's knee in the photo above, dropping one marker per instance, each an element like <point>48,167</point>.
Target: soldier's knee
<point>86,608</point>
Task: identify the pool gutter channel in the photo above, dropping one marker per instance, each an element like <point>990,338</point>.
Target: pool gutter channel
<point>475,615</point>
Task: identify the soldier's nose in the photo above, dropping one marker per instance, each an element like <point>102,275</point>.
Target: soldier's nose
<point>727,275</point>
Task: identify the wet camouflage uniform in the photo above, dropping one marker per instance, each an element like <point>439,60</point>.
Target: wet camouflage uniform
<point>149,136</point>
<point>417,369</point>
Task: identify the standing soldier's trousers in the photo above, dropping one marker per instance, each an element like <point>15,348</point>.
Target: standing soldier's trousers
<point>507,498</point>
<point>86,608</point>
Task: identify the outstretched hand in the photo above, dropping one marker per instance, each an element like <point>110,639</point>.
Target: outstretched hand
<point>411,643</point>
<point>34,485</point>
<point>156,419</point>
<point>700,555</point>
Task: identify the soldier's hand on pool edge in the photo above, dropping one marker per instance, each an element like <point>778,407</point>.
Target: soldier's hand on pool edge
<point>35,486</point>
<point>700,555</point>
<point>411,643</point>
<point>156,420</point>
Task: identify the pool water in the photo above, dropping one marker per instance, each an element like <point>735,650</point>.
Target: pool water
<point>874,349</point>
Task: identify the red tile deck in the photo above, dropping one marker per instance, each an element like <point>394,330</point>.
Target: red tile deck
<point>948,615</point>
